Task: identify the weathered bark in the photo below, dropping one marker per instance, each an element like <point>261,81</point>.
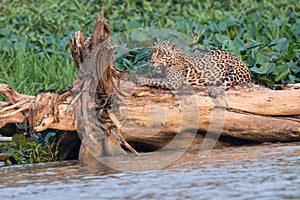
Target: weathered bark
<point>92,92</point>
<point>46,110</point>
<point>259,115</point>
<point>109,111</point>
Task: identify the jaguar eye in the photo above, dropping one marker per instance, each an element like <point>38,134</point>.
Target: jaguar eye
<point>159,55</point>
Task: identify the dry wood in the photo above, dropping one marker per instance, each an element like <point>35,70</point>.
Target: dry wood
<point>46,110</point>
<point>3,157</point>
<point>153,117</point>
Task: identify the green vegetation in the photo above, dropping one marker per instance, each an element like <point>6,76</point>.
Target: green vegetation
<point>34,38</point>
<point>34,35</point>
<point>27,150</point>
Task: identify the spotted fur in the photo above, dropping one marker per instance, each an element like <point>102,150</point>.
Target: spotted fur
<point>212,68</point>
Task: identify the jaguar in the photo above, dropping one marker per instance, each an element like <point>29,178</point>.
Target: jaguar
<point>176,67</point>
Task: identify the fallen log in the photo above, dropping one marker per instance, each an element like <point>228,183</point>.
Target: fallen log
<point>46,110</point>
<point>114,116</point>
<point>259,115</point>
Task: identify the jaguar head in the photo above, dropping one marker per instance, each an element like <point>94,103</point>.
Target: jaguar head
<point>163,54</point>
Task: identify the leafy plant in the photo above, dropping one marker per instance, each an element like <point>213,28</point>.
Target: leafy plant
<point>41,149</point>
<point>135,62</point>
<point>276,62</point>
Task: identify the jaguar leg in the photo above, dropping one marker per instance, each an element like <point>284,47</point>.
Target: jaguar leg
<point>229,80</point>
<point>172,81</point>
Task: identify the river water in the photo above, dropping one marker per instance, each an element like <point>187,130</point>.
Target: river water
<point>268,171</point>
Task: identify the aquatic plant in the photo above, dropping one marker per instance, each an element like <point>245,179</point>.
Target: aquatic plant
<point>41,148</point>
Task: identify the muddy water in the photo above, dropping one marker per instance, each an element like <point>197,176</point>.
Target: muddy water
<point>270,171</point>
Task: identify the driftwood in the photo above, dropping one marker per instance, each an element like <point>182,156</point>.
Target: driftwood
<point>114,116</point>
<point>259,115</point>
<point>46,110</point>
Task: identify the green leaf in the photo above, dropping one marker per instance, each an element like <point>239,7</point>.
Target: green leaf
<point>49,137</point>
<point>19,140</point>
<point>281,72</point>
<point>265,68</point>
<point>38,138</point>
<point>236,53</point>
<point>292,52</point>
<point>250,60</point>
<point>268,67</point>
<point>279,68</point>
<point>239,44</point>
<point>222,38</point>
<point>18,46</point>
<point>280,44</point>
<point>127,63</point>
<point>296,28</point>
<point>277,41</point>
<point>4,32</point>
<point>21,126</point>
<point>252,45</point>
<point>292,78</point>
<point>8,162</point>
<point>6,44</point>
<point>296,71</point>
<point>262,58</point>
<point>265,81</point>
<point>223,25</point>
<point>30,144</point>
<point>119,66</point>
<point>142,55</point>
<point>31,161</point>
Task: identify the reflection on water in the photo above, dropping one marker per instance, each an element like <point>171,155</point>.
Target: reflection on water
<point>268,171</point>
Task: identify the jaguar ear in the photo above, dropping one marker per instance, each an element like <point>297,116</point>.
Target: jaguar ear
<point>154,43</point>
<point>173,46</point>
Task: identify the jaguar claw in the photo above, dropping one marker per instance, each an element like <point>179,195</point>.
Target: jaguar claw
<point>214,93</point>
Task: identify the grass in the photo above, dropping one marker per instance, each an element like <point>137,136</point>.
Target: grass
<point>31,72</point>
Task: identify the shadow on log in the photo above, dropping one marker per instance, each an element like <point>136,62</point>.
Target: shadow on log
<point>113,116</point>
